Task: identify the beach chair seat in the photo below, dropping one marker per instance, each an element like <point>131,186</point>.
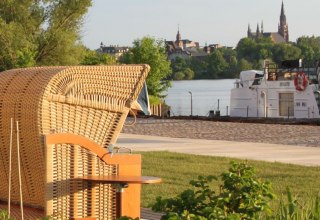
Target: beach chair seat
<point>89,101</point>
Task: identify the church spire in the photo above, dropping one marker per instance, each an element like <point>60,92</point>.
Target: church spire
<point>249,33</point>
<point>258,31</point>
<point>283,19</point>
<point>283,29</point>
<point>178,37</point>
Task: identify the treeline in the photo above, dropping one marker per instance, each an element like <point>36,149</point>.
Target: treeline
<point>224,63</point>
<point>33,33</point>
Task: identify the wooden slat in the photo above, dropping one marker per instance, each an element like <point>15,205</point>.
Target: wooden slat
<point>121,179</point>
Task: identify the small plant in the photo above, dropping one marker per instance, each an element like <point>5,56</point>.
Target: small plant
<point>48,217</point>
<point>4,215</point>
<point>127,218</point>
<point>242,196</point>
<point>243,193</point>
<point>294,210</point>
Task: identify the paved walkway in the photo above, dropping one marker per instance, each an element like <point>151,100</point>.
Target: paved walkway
<point>287,143</point>
<point>308,156</point>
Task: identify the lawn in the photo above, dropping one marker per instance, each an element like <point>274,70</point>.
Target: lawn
<point>176,170</point>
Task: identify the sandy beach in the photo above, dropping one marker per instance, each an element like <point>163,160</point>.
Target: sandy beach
<point>286,134</point>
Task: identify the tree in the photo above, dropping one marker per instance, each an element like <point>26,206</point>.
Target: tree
<point>285,51</point>
<point>244,65</point>
<point>181,69</point>
<point>151,51</point>
<point>178,64</point>
<point>246,49</point>
<point>178,75</point>
<point>233,68</point>
<point>217,65</point>
<point>42,32</point>
<point>230,56</point>
<point>188,73</point>
<point>310,49</point>
<point>199,67</point>
<point>96,58</point>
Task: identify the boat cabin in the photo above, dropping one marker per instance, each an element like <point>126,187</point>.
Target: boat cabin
<point>287,90</point>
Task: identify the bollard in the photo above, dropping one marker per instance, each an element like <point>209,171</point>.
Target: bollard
<point>211,114</point>
<point>247,111</point>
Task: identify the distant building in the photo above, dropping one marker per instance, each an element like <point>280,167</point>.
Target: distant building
<point>113,50</point>
<point>182,48</point>
<point>278,37</point>
<point>210,48</point>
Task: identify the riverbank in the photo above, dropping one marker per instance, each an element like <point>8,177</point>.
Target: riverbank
<point>287,132</point>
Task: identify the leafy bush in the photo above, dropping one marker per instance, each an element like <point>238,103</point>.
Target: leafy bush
<point>154,100</point>
<point>242,196</point>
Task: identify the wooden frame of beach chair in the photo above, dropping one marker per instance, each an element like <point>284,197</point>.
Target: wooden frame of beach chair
<point>91,101</point>
<point>83,181</point>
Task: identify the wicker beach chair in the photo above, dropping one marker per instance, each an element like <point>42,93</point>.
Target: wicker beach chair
<point>90,101</point>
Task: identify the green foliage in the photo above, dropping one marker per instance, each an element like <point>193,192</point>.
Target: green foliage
<point>246,49</point>
<point>292,209</point>
<point>96,58</point>
<point>178,75</point>
<point>127,218</point>
<point>242,196</point>
<point>254,51</point>
<point>4,215</point>
<point>47,217</point>
<point>154,100</point>
<point>181,69</point>
<point>217,65</point>
<point>151,51</point>
<point>44,32</point>
<point>244,193</point>
<point>199,67</point>
<point>310,49</point>
<point>244,65</point>
<point>285,51</point>
<point>188,74</point>
<point>249,54</point>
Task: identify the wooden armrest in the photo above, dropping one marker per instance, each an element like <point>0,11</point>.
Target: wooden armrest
<point>121,179</point>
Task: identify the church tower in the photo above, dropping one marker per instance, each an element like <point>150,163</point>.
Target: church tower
<point>249,33</point>
<point>258,33</point>
<point>283,26</point>
<point>178,36</point>
<point>179,42</point>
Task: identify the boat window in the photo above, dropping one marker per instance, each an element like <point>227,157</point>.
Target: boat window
<point>286,105</point>
<point>285,75</point>
<point>272,76</point>
<point>257,79</point>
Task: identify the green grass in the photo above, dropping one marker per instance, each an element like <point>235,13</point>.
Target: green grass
<point>176,170</point>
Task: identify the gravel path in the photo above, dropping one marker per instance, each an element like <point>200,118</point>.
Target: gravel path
<point>301,135</point>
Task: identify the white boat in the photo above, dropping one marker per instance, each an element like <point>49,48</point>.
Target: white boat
<point>289,92</point>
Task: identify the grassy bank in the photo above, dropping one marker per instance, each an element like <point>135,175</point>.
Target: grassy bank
<point>177,170</point>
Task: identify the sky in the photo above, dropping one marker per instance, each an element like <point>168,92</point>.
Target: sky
<point>224,22</point>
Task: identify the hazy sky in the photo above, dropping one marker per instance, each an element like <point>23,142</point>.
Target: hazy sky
<point>119,22</point>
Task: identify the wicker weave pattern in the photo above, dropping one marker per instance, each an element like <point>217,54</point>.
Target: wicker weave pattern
<point>69,198</point>
<point>84,100</point>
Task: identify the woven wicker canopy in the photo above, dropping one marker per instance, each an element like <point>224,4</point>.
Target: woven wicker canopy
<point>92,101</point>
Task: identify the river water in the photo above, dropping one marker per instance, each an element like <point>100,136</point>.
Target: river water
<point>207,95</point>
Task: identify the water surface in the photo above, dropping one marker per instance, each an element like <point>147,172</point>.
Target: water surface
<point>205,96</point>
